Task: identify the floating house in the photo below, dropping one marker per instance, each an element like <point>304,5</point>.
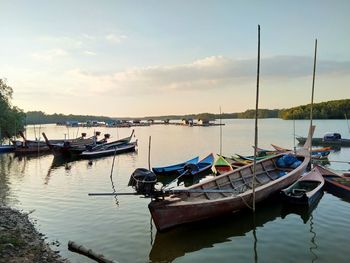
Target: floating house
<point>187,121</point>
<point>204,122</point>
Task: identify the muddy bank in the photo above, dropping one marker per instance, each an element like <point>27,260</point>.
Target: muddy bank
<point>20,242</point>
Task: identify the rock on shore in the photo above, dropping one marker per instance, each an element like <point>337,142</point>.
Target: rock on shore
<point>20,242</point>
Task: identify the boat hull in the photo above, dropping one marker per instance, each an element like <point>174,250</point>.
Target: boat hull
<point>336,188</point>
<point>104,153</point>
<point>170,214</point>
<point>321,141</point>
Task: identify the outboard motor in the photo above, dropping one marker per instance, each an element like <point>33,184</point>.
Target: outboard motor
<point>83,134</point>
<point>97,133</point>
<point>143,181</point>
<point>107,136</point>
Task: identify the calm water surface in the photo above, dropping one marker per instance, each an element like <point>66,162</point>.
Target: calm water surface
<point>121,229</point>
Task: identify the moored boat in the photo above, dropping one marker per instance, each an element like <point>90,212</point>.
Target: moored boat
<point>109,149</point>
<point>203,166</point>
<point>222,166</point>
<point>176,169</point>
<point>306,190</point>
<point>335,183</point>
<point>331,139</point>
<point>225,193</point>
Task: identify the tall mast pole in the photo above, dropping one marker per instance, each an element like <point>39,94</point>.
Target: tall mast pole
<point>256,118</point>
<point>312,95</point>
<point>220,134</point>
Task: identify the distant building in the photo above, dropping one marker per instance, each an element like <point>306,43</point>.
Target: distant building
<point>187,121</point>
<point>203,121</point>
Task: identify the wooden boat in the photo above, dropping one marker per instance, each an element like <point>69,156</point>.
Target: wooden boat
<point>306,190</point>
<point>228,192</point>
<point>30,146</point>
<point>222,166</point>
<point>336,184</point>
<point>251,158</point>
<point>176,169</point>
<point>319,153</point>
<point>314,150</point>
<point>224,194</point>
<point>81,144</point>
<point>109,149</point>
<point>332,139</point>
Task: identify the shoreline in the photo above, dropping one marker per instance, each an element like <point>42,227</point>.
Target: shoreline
<point>21,242</point>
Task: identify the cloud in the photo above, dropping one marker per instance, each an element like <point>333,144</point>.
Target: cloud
<point>115,39</point>
<point>49,55</point>
<point>211,73</point>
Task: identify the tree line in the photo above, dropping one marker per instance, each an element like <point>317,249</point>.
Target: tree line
<point>325,110</point>
<point>11,117</point>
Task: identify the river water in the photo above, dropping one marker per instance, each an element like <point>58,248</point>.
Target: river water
<point>122,229</point>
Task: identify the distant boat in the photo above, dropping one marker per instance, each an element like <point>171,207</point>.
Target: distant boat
<point>332,139</point>
<point>109,149</point>
<point>306,190</point>
<point>222,166</point>
<point>336,184</point>
<point>175,168</point>
<point>81,144</point>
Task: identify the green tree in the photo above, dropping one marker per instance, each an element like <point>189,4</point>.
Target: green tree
<point>11,117</point>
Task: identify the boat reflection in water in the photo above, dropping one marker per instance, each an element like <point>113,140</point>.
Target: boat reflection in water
<point>304,211</point>
<point>189,238</point>
<point>193,237</point>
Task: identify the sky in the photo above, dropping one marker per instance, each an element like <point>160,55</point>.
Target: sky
<point>147,58</point>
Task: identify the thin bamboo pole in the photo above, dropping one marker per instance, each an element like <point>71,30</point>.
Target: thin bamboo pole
<point>256,118</point>
<point>149,153</point>
<point>312,94</point>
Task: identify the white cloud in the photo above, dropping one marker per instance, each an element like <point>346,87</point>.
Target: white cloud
<point>49,55</point>
<point>210,73</point>
<point>116,39</point>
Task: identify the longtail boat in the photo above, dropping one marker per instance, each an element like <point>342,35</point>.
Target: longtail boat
<point>175,168</point>
<point>316,153</point>
<point>335,183</point>
<point>109,149</point>
<point>30,146</point>
<point>306,190</point>
<point>226,193</point>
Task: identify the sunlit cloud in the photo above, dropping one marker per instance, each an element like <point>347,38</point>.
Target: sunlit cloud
<point>115,39</point>
<point>210,73</point>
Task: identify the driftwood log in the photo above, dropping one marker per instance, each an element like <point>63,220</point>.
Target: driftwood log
<point>74,247</point>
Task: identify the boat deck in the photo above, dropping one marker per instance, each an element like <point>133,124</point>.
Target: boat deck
<point>236,182</point>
